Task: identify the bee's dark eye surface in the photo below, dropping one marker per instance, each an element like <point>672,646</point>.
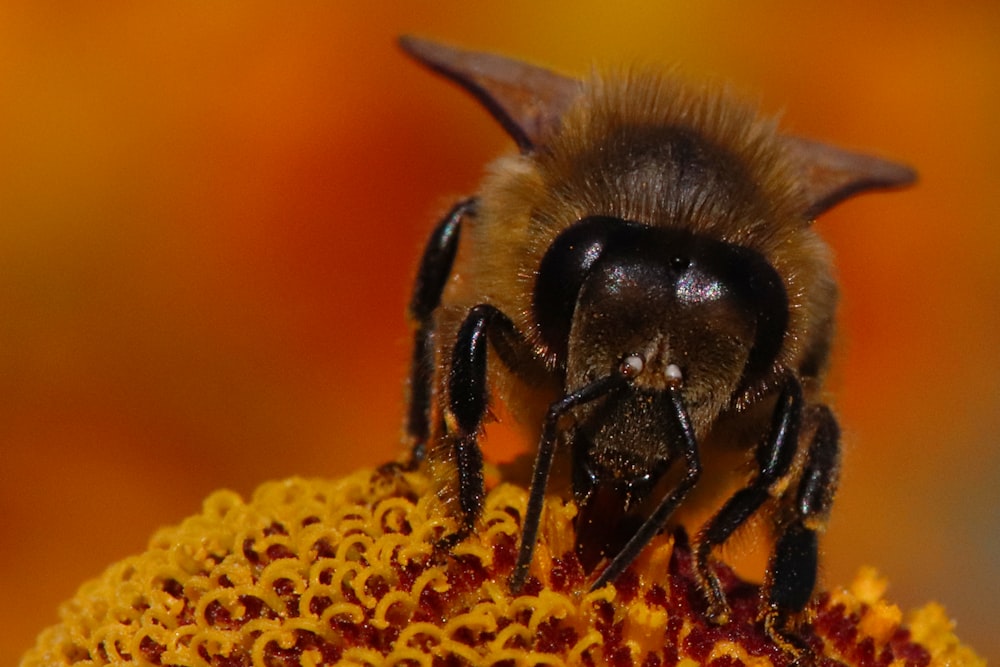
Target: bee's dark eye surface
<point>665,265</point>
<point>562,272</point>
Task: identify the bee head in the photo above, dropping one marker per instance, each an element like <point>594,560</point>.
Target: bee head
<point>678,304</point>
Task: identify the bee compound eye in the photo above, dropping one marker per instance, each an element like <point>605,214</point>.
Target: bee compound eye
<point>632,365</point>
<point>673,373</point>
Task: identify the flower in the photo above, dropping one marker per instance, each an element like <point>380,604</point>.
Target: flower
<point>313,572</point>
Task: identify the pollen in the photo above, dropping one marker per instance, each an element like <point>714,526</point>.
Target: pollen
<point>353,571</point>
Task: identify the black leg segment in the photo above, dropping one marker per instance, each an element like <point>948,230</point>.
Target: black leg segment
<point>543,467</point>
<point>793,568</point>
<point>792,572</point>
<point>774,458</point>
<point>432,276</point>
<point>468,399</point>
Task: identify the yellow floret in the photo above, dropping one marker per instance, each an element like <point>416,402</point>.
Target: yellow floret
<point>317,572</point>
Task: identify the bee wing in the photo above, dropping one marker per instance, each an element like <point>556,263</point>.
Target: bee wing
<point>829,175</point>
<point>528,101</point>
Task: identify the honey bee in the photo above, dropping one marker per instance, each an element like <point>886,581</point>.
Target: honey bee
<point>642,283</point>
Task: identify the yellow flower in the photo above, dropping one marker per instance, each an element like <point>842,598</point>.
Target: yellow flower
<point>313,572</point>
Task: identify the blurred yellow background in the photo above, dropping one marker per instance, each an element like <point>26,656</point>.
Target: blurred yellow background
<point>210,214</point>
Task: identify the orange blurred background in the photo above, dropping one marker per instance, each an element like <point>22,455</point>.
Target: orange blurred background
<point>211,214</point>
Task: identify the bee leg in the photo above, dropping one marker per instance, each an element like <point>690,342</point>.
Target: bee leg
<point>774,458</point>
<point>435,269</point>
<point>792,571</point>
<point>543,467</point>
<point>468,399</point>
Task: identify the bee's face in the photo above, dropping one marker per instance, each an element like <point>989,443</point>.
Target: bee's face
<point>683,304</point>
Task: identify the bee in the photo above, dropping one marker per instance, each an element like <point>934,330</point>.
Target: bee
<point>642,284</point>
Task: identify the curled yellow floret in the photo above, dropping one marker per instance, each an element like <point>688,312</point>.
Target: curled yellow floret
<point>319,572</point>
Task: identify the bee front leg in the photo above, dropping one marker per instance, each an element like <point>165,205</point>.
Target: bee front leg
<point>432,276</point>
<point>468,399</point>
<point>792,571</point>
<point>774,457</point>
<point>543,467</point>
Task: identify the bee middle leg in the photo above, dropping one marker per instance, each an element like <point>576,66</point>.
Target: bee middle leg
<point>774,457</point>
<point>791,574</point>
<point>468,400</point>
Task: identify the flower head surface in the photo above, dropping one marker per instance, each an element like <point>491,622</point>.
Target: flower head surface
<point>315,572</point>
